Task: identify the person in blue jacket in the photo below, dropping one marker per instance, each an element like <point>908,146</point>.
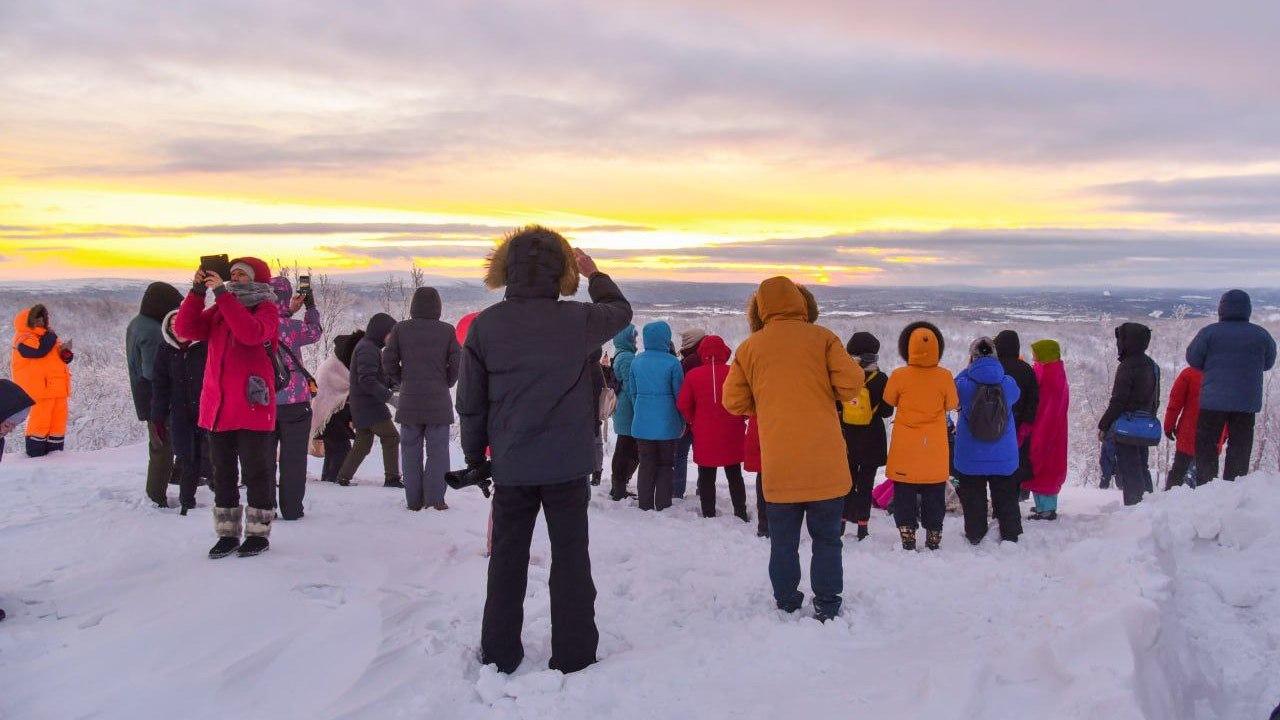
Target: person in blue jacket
<point>984,388</point>
<point>653,384</point>
<point>626,456</point>
<point>1233,353</point>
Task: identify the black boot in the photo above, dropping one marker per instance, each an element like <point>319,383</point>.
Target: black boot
<point>224,547</point>
<point>228,523</point>
<point>253,545</point>
<point>908,535</point>
<point>393,481</point>
<point>742,515</point>
<point>344,482</point>
<point>933,539</point>
<point>595,477</point>
<point>862,532</point>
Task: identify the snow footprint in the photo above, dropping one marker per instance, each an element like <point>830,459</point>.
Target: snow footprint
<point>328,595</point>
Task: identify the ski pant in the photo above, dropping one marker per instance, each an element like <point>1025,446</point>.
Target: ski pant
<point>762,507</point>
<point>160,466</point>
<point>46,426</point>
<point>1132,471</point>
<point>916,504</point>
<point>293,425</point>
<point>247,453</point>
<point>653,485</point>
<point>826,568</point>
<point>1046,503</point>
<point>424,480</point>
<point>857,504</point>
<point>337,437</point>
<point>680,476</point>
<point>574,636</point>
<point>1107,462</point>
<point>1004,500</point>
<point>190,466</point>
<point>386,432</point>
<point>707,490</point>
<point>626,458</point>
<point>1209,427</point>
<point>1182,470</point>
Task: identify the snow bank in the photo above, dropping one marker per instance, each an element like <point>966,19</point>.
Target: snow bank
<point>364,610</point>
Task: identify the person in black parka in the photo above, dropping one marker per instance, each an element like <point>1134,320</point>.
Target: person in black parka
<point>867,445</point>
<point>1009,353</point>
<point>527,392</point>
<point>178,376</point>
<point>142,338</point>
<point>1136,389</point>
<point>370,392</point>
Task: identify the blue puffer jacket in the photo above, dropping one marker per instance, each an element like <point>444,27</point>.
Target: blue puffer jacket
<point>1233,353</point>
<point>979,457</point>
<point>654,384</point>
<point>624,345</point>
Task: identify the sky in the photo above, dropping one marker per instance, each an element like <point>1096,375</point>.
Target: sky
<point>905,142</point>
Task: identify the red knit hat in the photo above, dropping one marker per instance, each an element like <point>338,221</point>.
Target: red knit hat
<point>261,270</point>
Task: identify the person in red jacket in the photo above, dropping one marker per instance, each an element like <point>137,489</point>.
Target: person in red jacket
<point>238,400</point>
<point>1180,418</point>
<point>753,463</point>
<point>719,437</point>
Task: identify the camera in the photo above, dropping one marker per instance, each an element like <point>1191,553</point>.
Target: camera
<point>478,475</point>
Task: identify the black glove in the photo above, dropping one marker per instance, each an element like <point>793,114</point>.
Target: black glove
<point>476,473</point>
<point>309,300</point>
<point>1172,434</point>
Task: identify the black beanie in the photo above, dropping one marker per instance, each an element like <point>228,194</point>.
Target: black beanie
<point>159,299</point>
<point>862,343</point>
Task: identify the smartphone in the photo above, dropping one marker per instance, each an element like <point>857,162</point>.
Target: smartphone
<point>304,285</point>
<point>220,264</point>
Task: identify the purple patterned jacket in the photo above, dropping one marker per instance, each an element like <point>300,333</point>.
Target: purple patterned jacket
<point>295,334</point>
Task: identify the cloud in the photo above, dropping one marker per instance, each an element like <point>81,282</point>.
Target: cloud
<point>1229,198</point>
<point>403,231</point>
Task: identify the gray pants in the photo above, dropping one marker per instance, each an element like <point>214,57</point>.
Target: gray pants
<point>424,481</point>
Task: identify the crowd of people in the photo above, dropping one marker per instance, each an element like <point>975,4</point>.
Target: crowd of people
<point>217,376</point>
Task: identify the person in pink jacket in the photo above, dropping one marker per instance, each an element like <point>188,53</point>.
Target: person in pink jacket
<point>1049,432</point>
<point>238,400</point>
<point>719,438</point>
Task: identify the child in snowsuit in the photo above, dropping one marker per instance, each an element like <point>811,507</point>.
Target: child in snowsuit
<point>1049,432</point>
<point>862,421</point>
<point>39,365</point>
<point>718,436</point>
<point>986,444</point>
<point>922,393</point>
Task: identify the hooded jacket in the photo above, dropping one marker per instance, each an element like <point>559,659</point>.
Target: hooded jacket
<point>790,374</point>
<point>38,361</point>
<point>1049,433</point>
<point>422,358</point>
<point>983,457</point>
<point>1009,352</point>
<point>370,389</point>
<point>653,385</point>
<point>236,336</point>
<point>142,339</point>
<point>176,386</point>
<point>1233,353</point>
<point>526,387</point>
<point>922,393</point>
<point>624,345</point>
<point>294,334</point>
<point>718,436</point>
<point>1182,414</point>
<point>1137,382</point>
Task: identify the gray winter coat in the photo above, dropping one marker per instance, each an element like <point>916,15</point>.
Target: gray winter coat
<point>421,358</point>
<point>526,386</point>
<point>1233,353</point>
<point>370,391</point>
<point>142,339</point>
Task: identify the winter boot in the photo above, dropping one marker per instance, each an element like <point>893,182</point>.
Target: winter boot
<point>228,524</point>
<point>344,482</point>
<point>256,529</point>
<point>37,447</point>
<point>393,481</point>
<point>862,532</point>
<point>908,535</point>
<point>595,477</point>
<point>742,515</point>
<point>933,539</point>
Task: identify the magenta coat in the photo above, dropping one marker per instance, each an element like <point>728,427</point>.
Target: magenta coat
<point>236,335</point>
<point>1049,434</point>
<point>719,437</point>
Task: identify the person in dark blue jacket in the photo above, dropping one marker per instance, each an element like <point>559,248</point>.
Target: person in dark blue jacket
<point>1233,353</point>
<point>653,386</point>
<point>981,463</point>
<point>177,377</point>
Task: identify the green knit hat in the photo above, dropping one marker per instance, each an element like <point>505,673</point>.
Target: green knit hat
<point>1046,351</point>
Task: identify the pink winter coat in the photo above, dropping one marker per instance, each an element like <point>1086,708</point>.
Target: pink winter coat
<point>1049,433</point>
<point>718,437</point>
<point>235,335</point>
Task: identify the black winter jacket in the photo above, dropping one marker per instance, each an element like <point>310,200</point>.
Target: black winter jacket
<point>422,358</point>
<point>175,392</point>
<point>1008,350</point>
<point>867,444</point>
<point>1137,383</point>
<point>527,387</point>
<point>370,391</point>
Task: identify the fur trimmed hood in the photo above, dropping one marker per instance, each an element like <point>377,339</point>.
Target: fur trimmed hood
<point>533,261</point>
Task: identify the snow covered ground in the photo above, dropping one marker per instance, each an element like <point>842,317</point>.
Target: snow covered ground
<point>365,610</point>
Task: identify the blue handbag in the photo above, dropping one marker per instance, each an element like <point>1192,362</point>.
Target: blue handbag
<point>1137,428</point>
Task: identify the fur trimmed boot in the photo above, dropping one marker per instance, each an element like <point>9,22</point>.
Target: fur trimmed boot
<point>228,523</point>
<point>908,535</point>
<point>257,528</point>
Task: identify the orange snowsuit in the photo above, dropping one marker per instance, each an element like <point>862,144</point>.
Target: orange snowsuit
<point>40,369</point>
<point>922,393</point>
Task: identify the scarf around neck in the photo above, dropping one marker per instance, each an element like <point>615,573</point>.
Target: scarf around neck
<point>869,362</point>
<point>251,294</point>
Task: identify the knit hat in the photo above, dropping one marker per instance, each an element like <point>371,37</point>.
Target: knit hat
<point>257,269</point>
<point>1046,351</point>
<point>982,347</point>
<point>862,343</point>
<point>158,299</point>
<point>690,338</point>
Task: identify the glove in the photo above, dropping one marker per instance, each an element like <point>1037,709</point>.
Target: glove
<point>309,300</point>
<point>1172,434</point>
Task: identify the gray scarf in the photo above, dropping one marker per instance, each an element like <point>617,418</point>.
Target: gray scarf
<point>868,362</point>
<point>251,294</point>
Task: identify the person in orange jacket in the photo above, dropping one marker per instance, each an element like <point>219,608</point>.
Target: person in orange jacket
<point>39,365</point>
<point>922,393</point>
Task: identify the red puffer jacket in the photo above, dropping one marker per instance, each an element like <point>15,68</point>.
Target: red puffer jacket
<point>718,437</point>
<point>236,335</point>
<point>1183,411</point>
